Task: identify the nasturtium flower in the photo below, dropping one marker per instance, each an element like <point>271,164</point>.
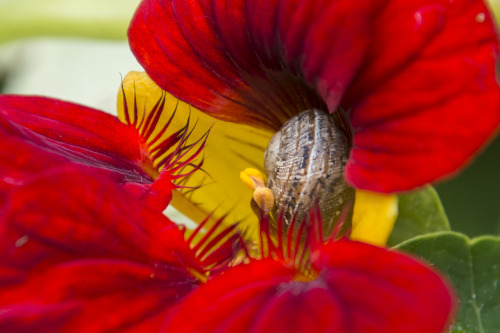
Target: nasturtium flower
<point>413,81</point>
<point>81,254</point>
<point>40,134</point>
<point>87,248</point>
<point>415,78</point>
<point>230,148</point>
<point>318,286</point>
<point>218,186</point>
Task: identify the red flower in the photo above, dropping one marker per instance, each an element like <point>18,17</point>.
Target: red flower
<point>83,254</point>
<point>340,286</point>
<point>415,78</point>
<point>39,134</point>
<point>80,254</point>
<point>87,257</point>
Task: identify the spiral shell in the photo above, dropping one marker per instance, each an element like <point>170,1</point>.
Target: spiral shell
<point>305,163</point>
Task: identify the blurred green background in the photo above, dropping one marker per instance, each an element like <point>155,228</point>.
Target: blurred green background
<point>472,199</point>
<point>77,49</point>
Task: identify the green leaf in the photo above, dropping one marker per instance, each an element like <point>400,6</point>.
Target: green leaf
<point>473,267</point>
<point>419,213</point>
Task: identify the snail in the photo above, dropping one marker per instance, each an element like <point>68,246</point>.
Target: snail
<point>305,162</point>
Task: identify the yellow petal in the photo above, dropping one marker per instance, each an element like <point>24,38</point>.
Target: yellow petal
<point>374,217</point>
<point>230,149</point>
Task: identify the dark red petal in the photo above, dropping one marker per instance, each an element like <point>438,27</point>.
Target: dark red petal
<point>80,253</point>
<point>211,62</point>
<point>359,288</point>
<point>27,317</point>
<point>417,76</point>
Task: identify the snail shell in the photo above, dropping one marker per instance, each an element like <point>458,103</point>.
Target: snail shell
<point>305,162</point>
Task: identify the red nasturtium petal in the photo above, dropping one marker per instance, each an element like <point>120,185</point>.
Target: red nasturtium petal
<point>358,288</point>
<point>426,97</point>
<point>41,133</point>
<point>20,159</point>
<point>417,77</point>
<point>80,254</point>
<point>79,133</point>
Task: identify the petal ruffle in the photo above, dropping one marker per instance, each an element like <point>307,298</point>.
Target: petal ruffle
<point>418,77</point>
<point>358,288</point>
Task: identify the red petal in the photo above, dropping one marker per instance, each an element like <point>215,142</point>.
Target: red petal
<point>21,159</point>
<point>359,288</point>
<point>41,133</point>
<point>82,254</point>
<point>211,62</point>
<point>418,77</point>
<point>426,98</point>
<point>79,133</point>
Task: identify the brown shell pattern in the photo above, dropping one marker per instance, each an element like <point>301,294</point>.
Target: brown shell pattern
<point>305,163</point>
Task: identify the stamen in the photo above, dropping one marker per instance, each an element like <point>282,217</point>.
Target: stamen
<point>262,195</point>
<point>252,178</point>
<point>264,198</point>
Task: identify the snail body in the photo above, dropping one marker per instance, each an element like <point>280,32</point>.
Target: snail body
<point>305,162</point>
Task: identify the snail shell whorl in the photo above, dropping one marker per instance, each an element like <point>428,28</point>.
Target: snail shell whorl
<point>305,163</point>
